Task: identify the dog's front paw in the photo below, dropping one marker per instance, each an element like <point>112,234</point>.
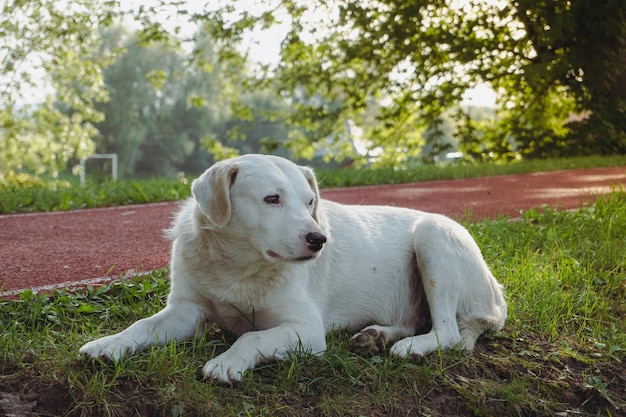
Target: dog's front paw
<point>225,370</point>
<point>109,347</point>
<point>408,348</point>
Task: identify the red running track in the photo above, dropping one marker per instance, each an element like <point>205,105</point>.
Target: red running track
<point>51,250</point>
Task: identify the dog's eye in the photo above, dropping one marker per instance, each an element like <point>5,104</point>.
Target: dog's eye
<point>272,199</point>
<point>311,202</point>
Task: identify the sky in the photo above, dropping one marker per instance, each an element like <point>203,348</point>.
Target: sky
<point>481,96</point>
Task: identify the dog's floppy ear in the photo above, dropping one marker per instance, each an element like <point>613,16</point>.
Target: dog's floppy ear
<point>310,177</point>
<point>212,192</point>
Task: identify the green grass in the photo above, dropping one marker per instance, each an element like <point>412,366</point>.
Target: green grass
<point>63,196</point>
<point>561,351</point>
<point>55,195</point>
<point>414,173</point>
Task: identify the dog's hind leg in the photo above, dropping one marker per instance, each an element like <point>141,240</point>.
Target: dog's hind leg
<point>373,338</point>
<point>442,257</point>
<point>444,333</point>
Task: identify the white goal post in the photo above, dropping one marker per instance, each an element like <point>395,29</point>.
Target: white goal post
<point>111,156</point>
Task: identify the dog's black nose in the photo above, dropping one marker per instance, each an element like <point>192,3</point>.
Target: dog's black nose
<point>316,241</point>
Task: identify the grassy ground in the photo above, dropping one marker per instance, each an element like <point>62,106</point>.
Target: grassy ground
<point>560,353</point>
<point>29,196</point>
<point>353,177</point>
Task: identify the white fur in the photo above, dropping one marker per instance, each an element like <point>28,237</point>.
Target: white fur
<point>241,258</point>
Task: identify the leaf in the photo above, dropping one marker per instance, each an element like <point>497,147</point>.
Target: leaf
<point>157,78</point>
<point>86,308</point>
<point>196,100</point>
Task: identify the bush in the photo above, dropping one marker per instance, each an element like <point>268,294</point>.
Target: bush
<point>18,181</point>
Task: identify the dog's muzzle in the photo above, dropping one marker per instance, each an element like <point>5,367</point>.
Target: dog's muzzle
<point>316,241</point>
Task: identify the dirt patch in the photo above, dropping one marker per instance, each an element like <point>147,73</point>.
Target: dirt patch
<point>32,396</point>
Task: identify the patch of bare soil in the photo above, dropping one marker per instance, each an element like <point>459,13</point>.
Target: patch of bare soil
<point>31,396</point>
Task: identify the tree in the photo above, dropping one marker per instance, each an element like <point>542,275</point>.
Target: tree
<point>165,104</point>
<point>138,123</point>
<point>436,141</point>
<point>50,80</point>
<point>419,57</point>
<point>579,50</point>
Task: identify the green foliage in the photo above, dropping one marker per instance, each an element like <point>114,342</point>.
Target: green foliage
<point>581,47</point>
<point>415,60</point>
<point>394,69</point>
<point>51,80</point>
<point>160,127</point>
<point>12,182</point>
<point>182,113</point>
<point>59,195</point>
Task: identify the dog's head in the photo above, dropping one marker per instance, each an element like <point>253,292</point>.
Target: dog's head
<point>269,201</point>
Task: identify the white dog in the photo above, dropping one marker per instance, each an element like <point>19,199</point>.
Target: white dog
<point>256,251</point>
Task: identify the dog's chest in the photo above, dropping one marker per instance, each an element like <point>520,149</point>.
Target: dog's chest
<point>239,320</point>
